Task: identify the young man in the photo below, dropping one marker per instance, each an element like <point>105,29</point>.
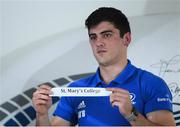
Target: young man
<point>138,97</point>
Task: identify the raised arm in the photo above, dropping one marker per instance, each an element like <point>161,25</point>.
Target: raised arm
<point>42,102</point>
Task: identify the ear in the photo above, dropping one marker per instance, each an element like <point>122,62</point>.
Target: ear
<point>127,38</point>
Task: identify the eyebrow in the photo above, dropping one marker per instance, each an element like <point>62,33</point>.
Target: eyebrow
<point>105,31</point>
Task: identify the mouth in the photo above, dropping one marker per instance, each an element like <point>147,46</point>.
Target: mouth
<point>101,51</point>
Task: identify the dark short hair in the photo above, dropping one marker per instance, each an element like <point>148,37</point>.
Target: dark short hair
<point>112,15</point>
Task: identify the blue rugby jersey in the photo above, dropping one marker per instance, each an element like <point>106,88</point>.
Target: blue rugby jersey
<point>148,93</point>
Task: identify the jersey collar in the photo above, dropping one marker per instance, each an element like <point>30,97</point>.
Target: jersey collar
<point>126,74</point>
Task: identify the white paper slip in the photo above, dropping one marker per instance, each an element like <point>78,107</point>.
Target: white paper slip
<point>79,91</point>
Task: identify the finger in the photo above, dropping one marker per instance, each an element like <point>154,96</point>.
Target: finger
<point>125,109</point>
<point>40,95</point>
<point>121,95</point>
<point>116,103</point>
<point>40,102</point>
<point>115,98</point>
<point>45,86</point>
<point>114,90</point>
<point>120,98</point>
<point>44,91</point>
<point>43,99</point>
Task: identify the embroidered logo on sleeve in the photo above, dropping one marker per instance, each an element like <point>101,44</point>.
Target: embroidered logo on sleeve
<point>163,99</point>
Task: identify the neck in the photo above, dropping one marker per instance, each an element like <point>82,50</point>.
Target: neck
<point>109,73</point>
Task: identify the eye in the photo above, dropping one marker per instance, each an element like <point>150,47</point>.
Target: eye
<point>107,35</point>
<point>92,37</point>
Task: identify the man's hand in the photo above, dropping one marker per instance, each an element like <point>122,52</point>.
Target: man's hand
<point>121,99</point>
<point>41,100</point>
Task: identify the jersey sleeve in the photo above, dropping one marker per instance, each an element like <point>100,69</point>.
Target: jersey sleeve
<point>66,110</point>
<point>157,95</point>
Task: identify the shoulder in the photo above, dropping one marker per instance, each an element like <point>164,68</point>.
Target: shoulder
<point>83,82</point>
<point>146,77</point>
<point>153,85</point>
<point>151,79</point>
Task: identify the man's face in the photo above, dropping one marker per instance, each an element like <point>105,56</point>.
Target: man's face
<point>107,45</point>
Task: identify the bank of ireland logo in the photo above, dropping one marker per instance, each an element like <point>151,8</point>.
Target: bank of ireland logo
<point>132,98</point>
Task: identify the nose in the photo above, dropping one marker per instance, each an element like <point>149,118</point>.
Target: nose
<point>99,42</point>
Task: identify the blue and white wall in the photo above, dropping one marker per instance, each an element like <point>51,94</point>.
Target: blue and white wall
<point>46,41</point>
